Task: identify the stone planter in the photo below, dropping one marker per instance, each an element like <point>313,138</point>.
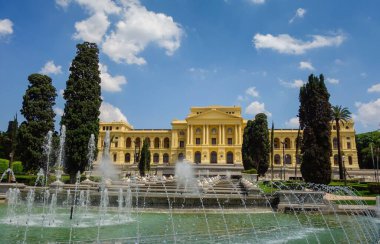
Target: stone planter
<point>249,177</point>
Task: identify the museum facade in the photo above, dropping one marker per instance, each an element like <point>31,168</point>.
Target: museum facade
<point>211,135</point>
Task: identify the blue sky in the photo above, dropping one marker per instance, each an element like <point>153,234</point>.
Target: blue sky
<point>159,58</point>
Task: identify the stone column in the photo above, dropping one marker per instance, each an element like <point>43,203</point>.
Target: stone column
<point>223,134</point>
<point>239,134</point>
<point>191,135</point>
<point>235,129</point>
<point>188,135</point>
<point>204,135</point>
<point>207,134</point>
<point>220,135</point>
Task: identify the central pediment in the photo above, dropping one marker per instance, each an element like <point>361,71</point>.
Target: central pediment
<point>213,114</point>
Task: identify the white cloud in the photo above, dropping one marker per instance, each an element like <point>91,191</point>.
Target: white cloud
<point>306,65</point>
<point>51,68</point>
<point>6,27</point>
<point>368,113</point>
<point>58,111</point>
<point>60,92</point>
<point>255,108</point>
<point>292,123</point>
<point>92,29</point>
<point>252,92</point>
<point>374,88</point>
<point>332,81</point>
<point>257,1</point>
<point>109,113</point>
<point>137,29</point>
<point>63,3</point>
<point>111,83</point>
<point>294,84</point>
<point>106,6</point>
<point>284,43</point>
<point>300,12</point>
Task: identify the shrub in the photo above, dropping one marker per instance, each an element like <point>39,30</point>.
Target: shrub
<point>250,171</point>
<point>374,188</point>
<point>17,167</point>
<point>3,165</point>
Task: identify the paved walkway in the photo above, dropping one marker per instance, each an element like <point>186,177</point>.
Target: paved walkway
<point>332,197</point>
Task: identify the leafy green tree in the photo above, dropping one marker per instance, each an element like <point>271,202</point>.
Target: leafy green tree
<point>315,116</point>
<point>144,163</point>
<point>340,115</point>
<point>246,149</point>
<point>260,144</point>
<point>298,145</point>
<point>37,109</point>
<point>363,145</point>
<point>81,113</point>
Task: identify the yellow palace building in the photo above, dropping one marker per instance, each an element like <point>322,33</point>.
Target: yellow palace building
<point>210,136</point>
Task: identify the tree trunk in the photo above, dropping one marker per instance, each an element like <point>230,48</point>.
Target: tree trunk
<point>341,176</point>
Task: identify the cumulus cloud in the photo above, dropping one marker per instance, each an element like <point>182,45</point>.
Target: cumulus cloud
<point>332,81</point>
<point>51,68</point>
<point>92,29</point>
<point>257,1</point>
<point>368,113</point>
<point>255,108</point>
<point>111,83</point>
<point>300,12</point>
<point>137,29</point>
<point>63,3</point>
<point>292,123</point>
<point>294,84</point>
<point>58,111</point>
<point>286,44</point>
<point>6,27</point>
<point>60,92</point>
<point>306,65</point>
<point>252,92</point>
<point>109,113</point>
<point>374,88</point>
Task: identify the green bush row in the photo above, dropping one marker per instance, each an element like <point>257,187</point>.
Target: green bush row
<point>250,171</point>
<point>16,166</point>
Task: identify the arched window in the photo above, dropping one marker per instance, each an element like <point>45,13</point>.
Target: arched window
<point>128,142</point>
<point>127,158</point>
<point>166,142</point>
<point>156,158</point>
<point>156,142</point>
<point>147,139</point>
<point>213,131</point>
<point>335,143</point>
<point>277,159</point>
<point>276,143</point>
<point>138,142</point>
<point>198,131</point>
<point>350,160</point>
<point>115,157</point>
<point>336,160</point>
<point>180,157</point>
<point>287,143</point>
<point>166,158</point>
<point>288,159</point>
<point>230,158</point>
<point>213,158</point>
<point>197,157</point>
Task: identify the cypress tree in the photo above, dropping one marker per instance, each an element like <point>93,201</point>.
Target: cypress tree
<point>315,117</point>
<point>37,109</point>
<point>81,113</point>
<point>272,149</point>
<point>144,163</point>
<point>246,149</point>
<point>260,144</point>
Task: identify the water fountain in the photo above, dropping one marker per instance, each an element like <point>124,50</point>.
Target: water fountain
<point>59,164</point>
<point>182,208</point>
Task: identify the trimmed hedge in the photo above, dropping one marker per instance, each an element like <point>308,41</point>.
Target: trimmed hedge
<point>3,164</point>
<point>17,167</point>
<point>250,171</point>
<point>374,188</point>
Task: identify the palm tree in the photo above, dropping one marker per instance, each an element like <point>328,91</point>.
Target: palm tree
<point>340,115</point>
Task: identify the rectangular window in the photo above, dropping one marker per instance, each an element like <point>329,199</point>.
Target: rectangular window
<point>110,127</point>
<point>104,128</point>
<point>348,145</point>
<point>181,144</point>
<point>197,141</point>
<point>213,141</point>
<point>116,144</point>
<point>229,141</point>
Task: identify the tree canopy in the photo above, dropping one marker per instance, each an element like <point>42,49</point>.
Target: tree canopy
<point>144,163</point>
<point>315,116</point>
<point>37,109</point>
<point>81,113</point>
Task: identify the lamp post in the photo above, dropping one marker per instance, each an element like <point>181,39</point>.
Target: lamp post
<point>344,171</point>
<point>283,158</point>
